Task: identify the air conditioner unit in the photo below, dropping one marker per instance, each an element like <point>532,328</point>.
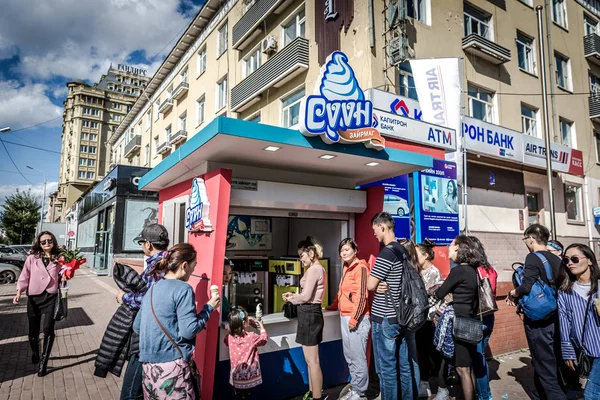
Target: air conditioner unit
<point>269,44</point>
<point>398,49</point>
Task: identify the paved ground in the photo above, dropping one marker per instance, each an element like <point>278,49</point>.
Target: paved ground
<point>91,305</point>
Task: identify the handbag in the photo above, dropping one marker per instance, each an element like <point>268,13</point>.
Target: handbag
<point>61,308</point>
<point>487,300</point>
<point>468,330</point>
<point>190,364</point>
<point>290,310</point>
<point>584,363</point>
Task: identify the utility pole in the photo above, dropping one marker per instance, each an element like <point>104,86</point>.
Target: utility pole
<point>43,197</point>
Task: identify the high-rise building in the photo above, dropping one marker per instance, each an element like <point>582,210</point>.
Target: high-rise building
<point>92,113</point>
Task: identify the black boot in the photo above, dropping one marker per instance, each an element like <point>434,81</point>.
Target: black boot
<point>34,343</point>
<point>43,365</point>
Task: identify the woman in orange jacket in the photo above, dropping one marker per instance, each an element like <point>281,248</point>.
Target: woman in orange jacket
<point>352,302</point>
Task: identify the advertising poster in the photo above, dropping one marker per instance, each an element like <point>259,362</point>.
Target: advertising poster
<point>396,201</point>
<point>436,203</point>
<point>249,233</point>
<point>138,214</point>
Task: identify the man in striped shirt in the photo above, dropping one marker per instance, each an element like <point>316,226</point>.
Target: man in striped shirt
<point>388,336</point>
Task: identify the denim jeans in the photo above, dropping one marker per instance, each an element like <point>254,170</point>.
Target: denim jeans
<point>592,387</point>
<point>395,357</point>
<point>480,366</point>
<point>132,380</point>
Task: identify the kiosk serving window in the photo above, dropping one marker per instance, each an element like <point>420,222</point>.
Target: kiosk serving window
<point>138,213</point>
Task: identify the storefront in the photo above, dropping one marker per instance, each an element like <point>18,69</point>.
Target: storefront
<point>111,215</point>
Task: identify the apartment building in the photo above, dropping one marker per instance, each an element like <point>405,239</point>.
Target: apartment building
<point>92,113</point>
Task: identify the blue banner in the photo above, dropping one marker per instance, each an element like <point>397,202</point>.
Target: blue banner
<point>396,201</point>
<point>436,203</point>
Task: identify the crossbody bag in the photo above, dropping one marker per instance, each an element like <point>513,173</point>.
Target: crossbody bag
<point>584,363</point>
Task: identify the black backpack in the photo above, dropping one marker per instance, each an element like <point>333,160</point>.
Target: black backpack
<point>413,307</point>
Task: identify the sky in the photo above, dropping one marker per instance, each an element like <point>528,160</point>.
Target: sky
<point>46,43</point>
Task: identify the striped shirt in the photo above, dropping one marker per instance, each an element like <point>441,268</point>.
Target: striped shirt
<point>571,314</point>
<point>388,268</point>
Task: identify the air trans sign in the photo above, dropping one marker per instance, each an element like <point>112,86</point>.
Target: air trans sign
<point>564,159</point>
<point>196,215</point>
<point>493,140</point>
<point>338,110</point>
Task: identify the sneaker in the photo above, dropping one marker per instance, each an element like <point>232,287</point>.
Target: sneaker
<point>307,396</point>
<point>352,395</point>
<point>424,389</point>
<point>442,394</point>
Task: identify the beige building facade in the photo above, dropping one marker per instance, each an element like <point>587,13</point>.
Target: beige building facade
<point>255,60</point>
<point>91,115</point>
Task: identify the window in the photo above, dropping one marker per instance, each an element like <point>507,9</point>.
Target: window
<point>91,163</point>
<point>200,111</point>
<point>156,105</point>
<point>95,112</point>
<point>533,207</point>
<point>170,91</point>
<point>93,137</point>
<point>529,120</point>
<point>87,111</point>
<point>221,94</point>
<point>594,85</point>
<point>222,40</point>
<point>476,22</point>
<point>417,9</point>
<point>94,125</point>
<point>407,82</point>
<point>528,2</point>
<point>291,109</point>
<point>155,144</point>
<point>563,72</point>
<point>565,132</point>
<point>90,175</point>
<point>146,154</point>
<point>81,175</point>
<point>92,150</point>
<point>294,28</point>
<point>168,131</point>
<point>183,76</point>
<point>83,161</point>
<point>526,53</point>
<point>117,106</point>
<point>85,136</point>
<point>182,121</point>
<point>83,149</point>
<point>255,118</point>
<point>116,117</point>
<point>201,62</point>
<point>573,202</point>
<point>148,119</point>
<point>590,25</point>
<point>251,62</point>
<point>481,104</point>
<point>85,123</point>
<point>559,12</point>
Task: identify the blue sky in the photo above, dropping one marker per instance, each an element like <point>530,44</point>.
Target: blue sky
<point>44,44</point>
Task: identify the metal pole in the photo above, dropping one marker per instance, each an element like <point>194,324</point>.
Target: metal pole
<point>538,11</point>
<point>42,212</point>
<point>461,70</point>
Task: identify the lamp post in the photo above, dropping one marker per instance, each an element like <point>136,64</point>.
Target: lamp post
<point>5,130</point>
<point>43,197</point>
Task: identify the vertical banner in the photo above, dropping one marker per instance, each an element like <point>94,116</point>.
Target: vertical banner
<point>436,203</point>
<point>396,201</point>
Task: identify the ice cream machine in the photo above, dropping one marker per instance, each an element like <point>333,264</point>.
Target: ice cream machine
<point>285,274</point>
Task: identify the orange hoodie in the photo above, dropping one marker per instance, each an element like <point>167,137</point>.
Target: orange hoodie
<point>352,297</point>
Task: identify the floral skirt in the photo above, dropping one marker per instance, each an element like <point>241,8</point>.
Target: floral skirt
<point>170,380</point>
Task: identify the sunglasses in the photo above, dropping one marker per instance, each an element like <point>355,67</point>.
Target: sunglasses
<point>47,241</point>
<point>141,242</point>
<point>574,260</point>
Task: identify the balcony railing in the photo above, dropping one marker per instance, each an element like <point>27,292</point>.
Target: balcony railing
<point>134,145</point>
<point>165,106</point>
<point>248,25</point>
<point>591,48</point>
<point>594,105</point>
<point>486,49</point>
<point>180,90</point>
<point>164,147</point>
<point>179,137</point>
<point>288,63</point>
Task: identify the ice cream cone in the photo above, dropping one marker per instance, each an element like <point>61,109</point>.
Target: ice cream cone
<point>214,290</point>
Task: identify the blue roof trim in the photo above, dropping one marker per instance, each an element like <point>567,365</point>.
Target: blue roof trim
<point>275,135</point>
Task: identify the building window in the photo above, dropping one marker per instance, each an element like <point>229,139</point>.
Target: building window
<point>83,161</point>
<point>590,25</point>
<point>476,22</point>
<point>117,106</point>
<point>563,72</point>
<point>597,140</point>
<point>90,175</point>
<point>156,144</point>
<point>81,174</point>
<point>481,103</point>
<point>91,163</point>
<point>93,137</point>
<point>526,53</point>
<point>251,62</point>
<point>594,85</point>
<point>200,111</point>
<point>573,202</point>
<point>294,28</point>
<point>529,120</point>
<point>221,94</point>
<point>290,109</point>
<point>148,119</point>
<point>201,62</point>
<point>417,9</point>
<point>94,125</point>
<point>116,117</point>
<point>95,112</point>
<point>255,118</point>
<point>85,136</point>
<point>559,12</point>
<point>168,132</point>
<point>565,132</point>
<point>156,106</point>
<point>92,150</point>
<point>533,207</point>
<point>85,123</point>
<point>83,149</point>
<point>87,111</point>
<point>222,40</point>
<point>528,2</point>
<point>183,76</point>
<point>407,82</point>
<point>147,154</point>
<point>182,121</point>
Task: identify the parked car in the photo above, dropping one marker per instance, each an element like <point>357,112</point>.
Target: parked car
<point>12,254</point>
<point>23,248</point>
<point>395,205</point>
<point>9,273</point>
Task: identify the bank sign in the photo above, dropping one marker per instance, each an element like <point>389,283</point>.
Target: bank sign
<point>492,140</point>
<point>196,215</point>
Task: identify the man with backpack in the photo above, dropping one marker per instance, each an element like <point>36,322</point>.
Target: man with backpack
<point>536,295</point>
<point>390,322</point>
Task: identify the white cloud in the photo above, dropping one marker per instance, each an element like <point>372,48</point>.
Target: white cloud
<point>36,190</point>
<point>26,105</point>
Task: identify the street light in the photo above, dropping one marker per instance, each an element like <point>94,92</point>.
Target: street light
<point>5,130</point>
<point>43,198</point>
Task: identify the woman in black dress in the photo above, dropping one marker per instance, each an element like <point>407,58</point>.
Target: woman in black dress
<point>39,279</point>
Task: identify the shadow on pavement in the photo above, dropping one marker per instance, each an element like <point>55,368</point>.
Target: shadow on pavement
<point>16,324</point>
<point>524,376</point>
<point>89,353</point>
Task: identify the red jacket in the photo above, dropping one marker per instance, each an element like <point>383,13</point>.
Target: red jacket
<point>352,297</point>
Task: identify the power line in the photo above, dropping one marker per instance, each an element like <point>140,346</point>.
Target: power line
<point>33,126</point>
<point>15,172</point>
<point>13,162</point>
<point>33,147</point>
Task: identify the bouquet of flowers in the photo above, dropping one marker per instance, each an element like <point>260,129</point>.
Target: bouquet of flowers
<point>70,261</point>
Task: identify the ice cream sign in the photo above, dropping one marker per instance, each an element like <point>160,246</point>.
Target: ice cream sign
<point>338,110</point>
<point>196,215</point>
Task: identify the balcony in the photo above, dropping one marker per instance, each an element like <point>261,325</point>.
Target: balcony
<point>594,106</point>
<point>164,148</point>
<point>247,28</point>
<point>591,48</point>
<point>165,106</point>
<point>180,90</point>
<point>133,146</point>
<point>288,63</point>
<point>179,137</point>
<point>486,49</point>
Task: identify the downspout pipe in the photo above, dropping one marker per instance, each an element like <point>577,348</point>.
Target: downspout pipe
<point>371,25</point>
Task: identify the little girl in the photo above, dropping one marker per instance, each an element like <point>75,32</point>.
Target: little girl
<point>243,352</point>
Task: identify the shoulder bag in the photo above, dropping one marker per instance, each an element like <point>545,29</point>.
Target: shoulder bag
<point>584,363</point>
<point>191,364</point>
<point>487,300</point>
<point>60,306</point>
<point>467,329</point>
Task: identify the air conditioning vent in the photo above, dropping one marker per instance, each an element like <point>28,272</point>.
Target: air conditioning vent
<point>269,45</point>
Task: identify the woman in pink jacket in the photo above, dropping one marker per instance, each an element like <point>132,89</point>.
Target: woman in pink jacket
<point>39,280</point>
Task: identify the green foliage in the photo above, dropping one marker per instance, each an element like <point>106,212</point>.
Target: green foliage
<point>70,255</point>
<point>19,216</point>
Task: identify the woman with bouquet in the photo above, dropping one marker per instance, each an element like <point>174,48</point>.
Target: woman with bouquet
<point>40,279</point>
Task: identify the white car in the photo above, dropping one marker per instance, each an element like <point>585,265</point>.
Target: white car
<point>395,205</point>
<point>9,273</point>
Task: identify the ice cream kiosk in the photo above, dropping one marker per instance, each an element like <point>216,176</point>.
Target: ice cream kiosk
<point>251,192</point>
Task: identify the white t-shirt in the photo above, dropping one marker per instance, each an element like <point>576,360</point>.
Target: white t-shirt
<point>582,289</point>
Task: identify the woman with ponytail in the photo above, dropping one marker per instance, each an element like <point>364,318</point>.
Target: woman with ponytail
<point>168,324</point>
<point>310,314</point>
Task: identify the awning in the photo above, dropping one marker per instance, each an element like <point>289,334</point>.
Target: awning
<point>234,141</point>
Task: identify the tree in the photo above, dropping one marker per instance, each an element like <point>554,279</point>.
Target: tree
<point>19,217</point>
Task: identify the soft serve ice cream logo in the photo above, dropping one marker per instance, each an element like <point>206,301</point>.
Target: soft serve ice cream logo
<point>338,110</point>
<point>196,216</point>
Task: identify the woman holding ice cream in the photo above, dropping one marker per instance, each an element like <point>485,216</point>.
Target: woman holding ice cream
<point>579,319</point>
<point>168,324</point>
